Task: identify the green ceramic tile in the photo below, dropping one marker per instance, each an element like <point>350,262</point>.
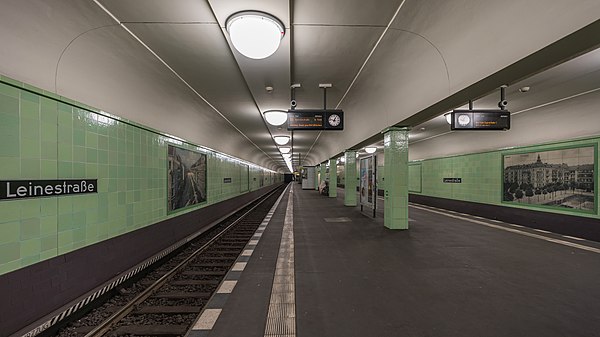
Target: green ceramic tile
<point>49,243</point>
<point>49,150</point>
<point>9,146</point>
<point>48,110</point>
<point>49,169</point>
<point>10,168</point>
<point>10,232</point>
<point>30,109</point>
<point>91,155</point>
<point>9,125</point>
<point>65,240</point>
<point>65,222</point>
<point>65,169</point>
<point>91,139</point>
<point>79,171</point>
<point>79,154</point>
<point>9,105</point>
<point>30,228</point>
<point>10,252</point>
<point>31,248</point>
<point>30,168</point>
<point>9,90</point>
<point>79,137</point>
<point>30,148</point>
<point>49,225</point>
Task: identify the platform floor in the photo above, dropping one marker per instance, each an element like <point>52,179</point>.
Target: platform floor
<point>448,275</point>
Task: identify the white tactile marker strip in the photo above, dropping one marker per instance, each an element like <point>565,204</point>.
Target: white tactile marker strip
<point>209,316</point>
<point>512,230</point>
<point>281,318</point>
<point>207,320</point>
<point>226,287</point>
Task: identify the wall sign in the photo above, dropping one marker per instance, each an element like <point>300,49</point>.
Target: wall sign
<point>226,180</point>
<point>452,180</point>
<point>21,189</point>
<point>315,120</point>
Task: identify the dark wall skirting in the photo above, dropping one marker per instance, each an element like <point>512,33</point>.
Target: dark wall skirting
<point>33,292</point>
<point>577,226</point>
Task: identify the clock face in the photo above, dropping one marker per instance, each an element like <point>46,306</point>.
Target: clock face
<point>334,120</point>
<point>464,120</point>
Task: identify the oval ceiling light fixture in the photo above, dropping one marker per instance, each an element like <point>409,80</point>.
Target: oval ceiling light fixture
<point>281,140</point>
<point>286,149</point>
<point>286,155</point>
<point>448,116</point>
<point>275,117</point>
<point>255,35</point>
<point>370,149</point>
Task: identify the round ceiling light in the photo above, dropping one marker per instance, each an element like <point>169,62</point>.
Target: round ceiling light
<point>281,140</point>
<point>448,116</point>
<point>286,149</point>
<point>370,149</point>
<point>275,117</point>
<point>255,35</point>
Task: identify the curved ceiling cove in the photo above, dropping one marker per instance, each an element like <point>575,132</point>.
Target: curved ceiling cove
<point>171,65</point>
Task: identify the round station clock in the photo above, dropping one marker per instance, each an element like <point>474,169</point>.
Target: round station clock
<point>334,120</point>
<point>463,120</point>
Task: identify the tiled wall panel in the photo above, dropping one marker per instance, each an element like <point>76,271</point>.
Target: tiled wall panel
<point>43,136</point>
<point>481,176</point>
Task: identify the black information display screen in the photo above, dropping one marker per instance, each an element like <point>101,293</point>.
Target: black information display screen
<point>315,120</point>
<point>452,180</point>
<point>480,120</point>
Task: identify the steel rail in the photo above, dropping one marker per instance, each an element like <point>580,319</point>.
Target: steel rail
<point>108,324</point>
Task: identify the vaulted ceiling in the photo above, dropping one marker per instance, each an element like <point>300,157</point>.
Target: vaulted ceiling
<point>170,65</point>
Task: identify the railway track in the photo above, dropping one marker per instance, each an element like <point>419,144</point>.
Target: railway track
<point>167,301</point>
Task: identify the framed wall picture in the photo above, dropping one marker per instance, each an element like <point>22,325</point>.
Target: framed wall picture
<point>562,178</point>
<point>186,181</point>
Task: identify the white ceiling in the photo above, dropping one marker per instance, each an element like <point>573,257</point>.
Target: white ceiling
<point>169,64</point>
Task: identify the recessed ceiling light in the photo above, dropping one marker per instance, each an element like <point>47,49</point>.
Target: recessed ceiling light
<point>370,149</point>
<point>286,149</point>
<point>275,117</point>
<point>524,89</point>
<point>281,140</point>
<point>254,34</point>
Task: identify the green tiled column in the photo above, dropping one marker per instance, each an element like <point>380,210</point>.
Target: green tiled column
<point>395,142</point>
<point>332,178</point>
<point>317,181</point>
<point>323,173</point>
<point>351,179</point>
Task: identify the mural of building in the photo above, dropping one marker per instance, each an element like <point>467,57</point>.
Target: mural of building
<point>540,174</point>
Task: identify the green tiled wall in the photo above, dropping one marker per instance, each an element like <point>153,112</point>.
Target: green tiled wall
<point>481,175</point>
<point>414,177</point>
<point>43,136</point>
